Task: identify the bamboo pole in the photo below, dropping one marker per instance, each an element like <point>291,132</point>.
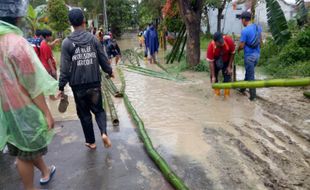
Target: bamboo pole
<point>183,47</point>
<point>171,177</point>
<point>111,87</point>
<point>175,46</point>
<point>174,55</point>
<point>109,102</point>
<point>122,78</point>
<point>156,75</point>
<point>264,84</point>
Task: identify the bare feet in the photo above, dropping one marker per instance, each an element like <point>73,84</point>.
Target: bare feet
<point>91,146</point>
<point>106,141</point>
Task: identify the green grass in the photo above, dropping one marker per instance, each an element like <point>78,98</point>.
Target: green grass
<point>204,41</point>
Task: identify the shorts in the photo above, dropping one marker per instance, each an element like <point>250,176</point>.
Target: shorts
<point>14,151</point>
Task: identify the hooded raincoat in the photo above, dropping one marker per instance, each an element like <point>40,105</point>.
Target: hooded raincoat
<point>22,78</point>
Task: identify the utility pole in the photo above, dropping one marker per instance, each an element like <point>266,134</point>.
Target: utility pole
<point>105,19</point>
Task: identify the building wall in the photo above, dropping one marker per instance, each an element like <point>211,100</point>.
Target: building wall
<point>231,24</point>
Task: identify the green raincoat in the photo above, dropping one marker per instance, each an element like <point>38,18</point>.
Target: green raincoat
<point>22,78</point>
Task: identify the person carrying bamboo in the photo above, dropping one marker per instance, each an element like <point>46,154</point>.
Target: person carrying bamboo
<point>250,42</point>
<point>220,55</point>
<point>81,57</point>
<point>25,121</point>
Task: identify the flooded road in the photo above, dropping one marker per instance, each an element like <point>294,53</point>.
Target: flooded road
<point>221,144</point>
<point>211,143</point>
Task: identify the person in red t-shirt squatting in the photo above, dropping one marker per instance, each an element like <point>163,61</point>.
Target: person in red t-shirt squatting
<point>220,55</point>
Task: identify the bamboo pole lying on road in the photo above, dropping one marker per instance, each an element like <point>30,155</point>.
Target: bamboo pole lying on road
<point>170,176</point>
<point>264,83</point>
<point>161,76</point>
<point>111,87</point>
<point>110,104</point>
<point>122,78</point>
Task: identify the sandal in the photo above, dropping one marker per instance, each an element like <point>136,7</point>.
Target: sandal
<point>52,172</point>
<point>63,105</point>
<point>91,146</point>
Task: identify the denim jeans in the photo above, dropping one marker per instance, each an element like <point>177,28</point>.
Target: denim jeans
<point>250,62</point>
<point>88,101</point>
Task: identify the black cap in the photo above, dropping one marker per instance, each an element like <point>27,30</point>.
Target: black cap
<point>246,15</point>
<point>76,17</point>
<point>218,37</point>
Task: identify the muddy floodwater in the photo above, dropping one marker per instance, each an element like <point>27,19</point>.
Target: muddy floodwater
<point>225,144</point>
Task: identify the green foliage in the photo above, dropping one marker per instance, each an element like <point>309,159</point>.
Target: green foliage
<point>302,14</point>
<point>148,11</point>
<point>291,60</point>
<point>277,22</point>
<point>33,19</point>
<point>203,66</point>
<point>35,3</point>
<point>120,15</point>
<point>58,15</point>
<point>173,23</point>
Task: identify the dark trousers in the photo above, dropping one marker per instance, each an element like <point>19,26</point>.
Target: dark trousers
<point>88,101</point>
<point>227,78</point>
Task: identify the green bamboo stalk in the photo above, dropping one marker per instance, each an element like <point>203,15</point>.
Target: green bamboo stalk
<point>162,67</point>
<point>112,109</point>
<point>264,84</point>
<point>171,177</point>
<point>178,46</point>
<point>183,47</point>
<point>175,46</point>
<point>307,94</point>
<point>122,78</point>
<point>154,75</point>
<point>111,87</point>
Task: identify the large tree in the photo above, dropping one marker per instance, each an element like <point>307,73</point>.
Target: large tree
<point>58,15</point>
<point>191,13</point>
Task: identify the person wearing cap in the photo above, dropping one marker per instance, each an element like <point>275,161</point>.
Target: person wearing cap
<point>26,122</point>
<point>81,58</point>
<point>112,49</point>
<point>220,55</point>
<point>250,42</point>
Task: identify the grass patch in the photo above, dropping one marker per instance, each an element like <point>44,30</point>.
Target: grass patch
<point>204,41</point>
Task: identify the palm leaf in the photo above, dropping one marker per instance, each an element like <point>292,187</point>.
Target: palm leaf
<point>302,14</point>
<point>277,22</point>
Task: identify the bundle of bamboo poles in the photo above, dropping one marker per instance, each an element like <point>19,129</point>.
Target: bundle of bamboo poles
<point>109,103</point>
<point>180,42</point>
<point>264,83</point>
<point>151,73</point>
<point>111,87</point>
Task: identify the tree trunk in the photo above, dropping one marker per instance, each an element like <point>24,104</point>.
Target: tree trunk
<point>191,14</point>
<point>219,15</point>
<point>208,22</point>
<point>193,42</point>
<point>219,19</point>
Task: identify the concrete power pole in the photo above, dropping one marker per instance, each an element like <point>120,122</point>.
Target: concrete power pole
<point>105,19</point>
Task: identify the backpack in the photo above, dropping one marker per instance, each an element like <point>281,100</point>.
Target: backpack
<point>36,44</point>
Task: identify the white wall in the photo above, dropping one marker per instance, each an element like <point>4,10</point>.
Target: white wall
<point>231,24</point>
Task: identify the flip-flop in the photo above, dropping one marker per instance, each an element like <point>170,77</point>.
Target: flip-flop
<point>91,146</point>
<point>52,172</point>
<point>63,105</point>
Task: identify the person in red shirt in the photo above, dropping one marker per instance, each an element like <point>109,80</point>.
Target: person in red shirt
<point>220,55</point>
<point>46,54</point>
